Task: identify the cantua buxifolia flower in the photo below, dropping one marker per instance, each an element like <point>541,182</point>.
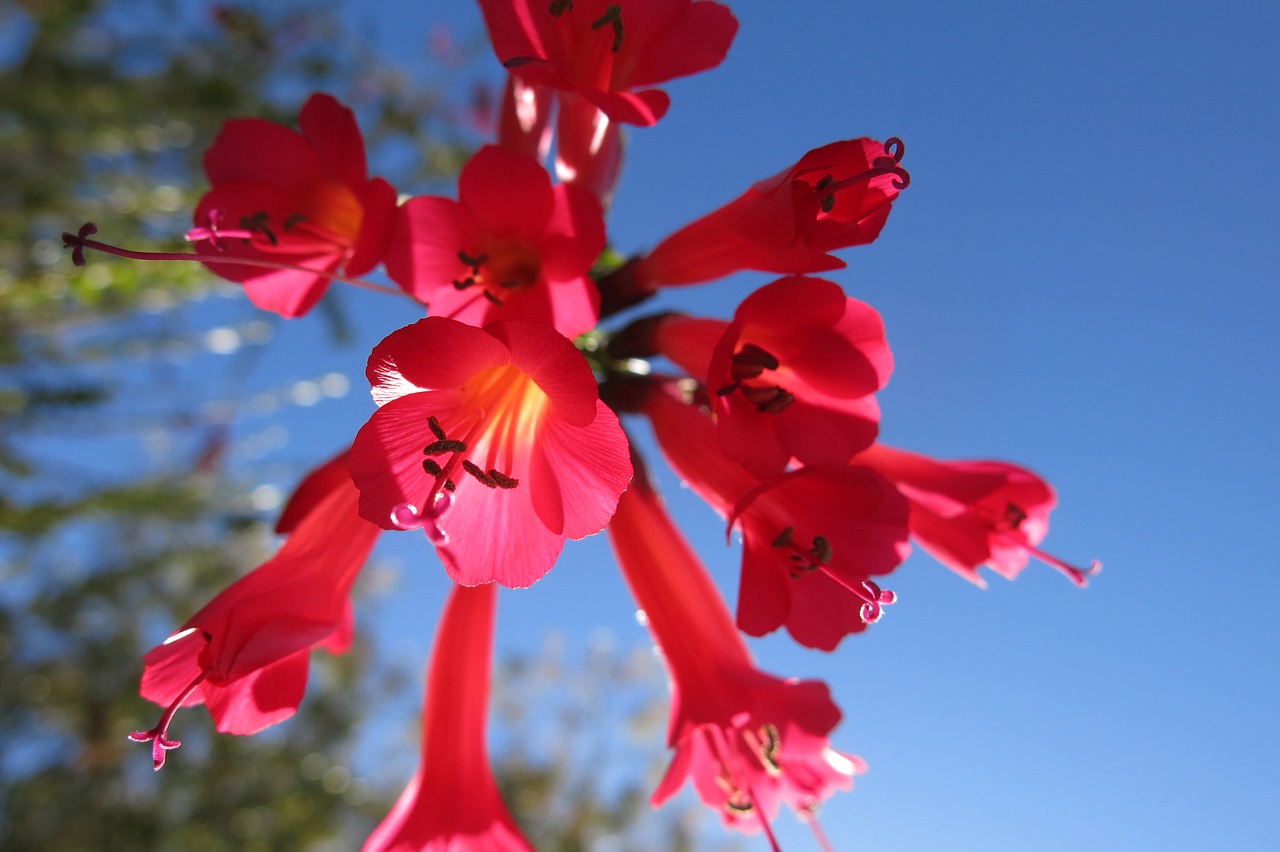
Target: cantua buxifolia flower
<point>749,741</point>
<point>246,654</point>
<point>836,196</point>
<point>972,513</point>
<point>298,199</point>
<point>494,440</point>
<point>792,376</point>
<point>812,538</point>
<point>610,53</point>
<point>452,803</point>
<point>512,246</point>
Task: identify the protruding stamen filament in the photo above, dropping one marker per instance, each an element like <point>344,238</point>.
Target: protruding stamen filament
<point>160,743</point>
<point>612,17</point>
<point>894,148</point>
<point>80,241</point>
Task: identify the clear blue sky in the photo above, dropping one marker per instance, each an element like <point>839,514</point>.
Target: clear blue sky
<point>1083,277</point>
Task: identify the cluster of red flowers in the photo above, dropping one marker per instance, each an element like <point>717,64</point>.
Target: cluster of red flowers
<point>497,430</point>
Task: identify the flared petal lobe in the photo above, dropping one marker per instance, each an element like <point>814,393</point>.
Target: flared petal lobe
<point>452,803</point>
<point>812,538</point>
<point>835,197</point>
<point>512,247</point>
<point>972,513</point>
<point>301,201</point>
<point>494,441</point>
<point>245,654</point>
<point>792,376</point>
<point>606,53</point>
<point>749,741</point>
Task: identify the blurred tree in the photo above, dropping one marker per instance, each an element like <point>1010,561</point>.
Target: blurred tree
<point>120,512</point>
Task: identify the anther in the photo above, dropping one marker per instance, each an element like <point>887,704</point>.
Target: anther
<point>76,241</point>
<point>821,550</point>
<point>613,17</point>
<point>476,471</point>
<point>502,480</point>
<point>492,298</point>
<point>750,361</point>
<point>559,7</point>
<point>464,283</point>
<point>434,425</point>
<point>784,537</point>
<point>444,445</point>
<point>431,467</point>
<point>474,262</point>
<point>770,400</point>
<point>258,222</point>
<point>292,222</point>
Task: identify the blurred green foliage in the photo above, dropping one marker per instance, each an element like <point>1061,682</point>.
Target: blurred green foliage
<point>105,109</point>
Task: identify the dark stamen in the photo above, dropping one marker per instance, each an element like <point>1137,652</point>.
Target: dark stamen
<point>502,480</point>
<point>1014,515</point>
<point>770,400</point>
<point>430,466</point>
<point>434,425</point>
<point>76,241</point>
<point>613,17</point>
<point>464,283</point>
<point>492,298</point>
<point>444,445</point>
<point>821,550</point>
<point>728,389</point>
<point>474,262</point>
<point>449,485</point>
<point>292,221</point>
<point>475,470</point>
<point>750,361</point>
<point>258,222</point>
<point>784,537</point>
<point>559,7</point>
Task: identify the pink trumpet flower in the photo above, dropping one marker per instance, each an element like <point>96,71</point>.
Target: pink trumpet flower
<point>452,804</point>
<point>302,200</point>
<point>494,441</point>
<point>972,513</point>
<point>246,654</point>
<point>748,740</point>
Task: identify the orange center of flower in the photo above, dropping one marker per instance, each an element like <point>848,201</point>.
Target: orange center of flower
<point>499,416</point>
<point>505,269</point>
<point>750,362</point>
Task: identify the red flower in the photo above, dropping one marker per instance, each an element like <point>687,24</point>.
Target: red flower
<point>972,513</point>
<point>812,537</point>
<point>245,655</point>
<point>512,247</point>
<point>792,376</point>
<point>835,196</point>
<point>605,51</point>
<point>453,802</point>
<point>296,199</point>
<point>748,740</point>
<point>495,440</point>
